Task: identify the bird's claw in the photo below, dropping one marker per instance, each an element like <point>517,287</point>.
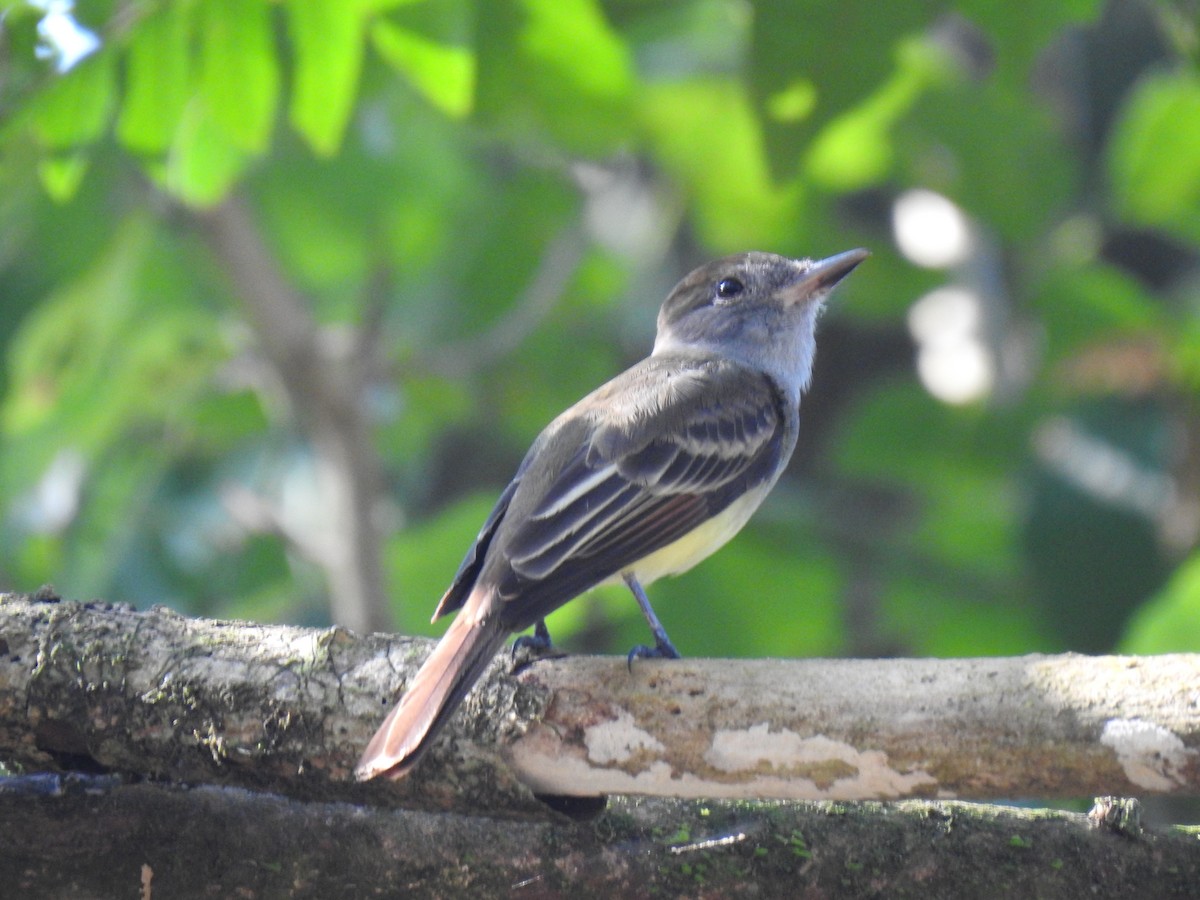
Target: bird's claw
<point>532,647</point>
<point>662,649</point>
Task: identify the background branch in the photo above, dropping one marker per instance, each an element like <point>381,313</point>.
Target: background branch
<point>476,352</point>
<point>325,391</point>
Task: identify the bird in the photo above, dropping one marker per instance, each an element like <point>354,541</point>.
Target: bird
<point>643,478</point>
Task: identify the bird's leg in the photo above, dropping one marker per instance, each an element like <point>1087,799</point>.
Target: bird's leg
<point>663,648</point>
<point>532,647</point>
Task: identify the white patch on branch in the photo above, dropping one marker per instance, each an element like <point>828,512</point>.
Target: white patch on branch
<point>1152,756</point>
<point>618,740</point>
<point>785,751</point>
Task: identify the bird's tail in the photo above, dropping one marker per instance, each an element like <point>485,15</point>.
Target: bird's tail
<point>455,664</point>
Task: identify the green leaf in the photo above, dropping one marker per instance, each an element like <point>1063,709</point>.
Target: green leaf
<point>1170,623</point>
<point>572,38</point>
<point>322,243</point>
<point>952,512</point>
<point>73,111</point>
<point>423,558</point>
<point>374,7</point>
<point>328,45</point>
<point>737,205</point>
<point>1079,306</point>
<point>1154,156</point>
<point>792,594</point>
<point>1000,160</point>
<point>818,61</point>
<point>62,174</point>
<point>59,348</point>
<point>553,67</point>
<point>115,348</point>
<point>158,68</point>
<point>239,75</point>
<point>123,483</point>
<point>1016,38</point>
<point>444,74</point>
<point>946,617</point>
<point>203,163</point>
<point>855,149</point>
<point>1185,354</point>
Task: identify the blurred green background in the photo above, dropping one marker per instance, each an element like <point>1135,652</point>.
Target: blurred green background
<point>287,288</point>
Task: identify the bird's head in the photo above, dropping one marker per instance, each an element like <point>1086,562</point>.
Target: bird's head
<point>759,309</point>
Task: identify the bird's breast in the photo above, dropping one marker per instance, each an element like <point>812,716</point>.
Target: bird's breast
<point>698,544</point>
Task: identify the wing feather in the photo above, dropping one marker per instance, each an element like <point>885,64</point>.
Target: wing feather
<point>638,480</point>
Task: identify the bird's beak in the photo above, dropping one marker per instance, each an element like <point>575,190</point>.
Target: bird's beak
<point>825,273</point>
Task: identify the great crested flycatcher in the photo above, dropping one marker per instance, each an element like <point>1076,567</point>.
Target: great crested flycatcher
<point>644,477</point>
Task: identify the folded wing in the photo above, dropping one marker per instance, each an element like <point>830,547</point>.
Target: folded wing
<point>637,482</point>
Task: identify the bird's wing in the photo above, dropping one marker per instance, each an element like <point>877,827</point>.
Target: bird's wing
<point>637,483</point>
<point>464,579</point>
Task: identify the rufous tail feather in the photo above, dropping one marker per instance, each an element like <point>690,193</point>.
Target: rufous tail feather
<point>439,686</point>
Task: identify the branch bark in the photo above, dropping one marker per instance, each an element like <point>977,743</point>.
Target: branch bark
<point>85,838</point>
<point>112,689</point>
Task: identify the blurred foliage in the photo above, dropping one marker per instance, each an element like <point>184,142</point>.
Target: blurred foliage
<point>432,159</point>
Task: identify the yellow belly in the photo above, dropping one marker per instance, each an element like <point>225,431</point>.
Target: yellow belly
<point>699,543</point>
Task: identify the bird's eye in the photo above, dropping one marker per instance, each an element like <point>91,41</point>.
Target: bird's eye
<point>729,287</point>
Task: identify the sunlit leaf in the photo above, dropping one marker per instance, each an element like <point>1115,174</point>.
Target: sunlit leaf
<point>73,111</point>
<point>1170,623</point>
<point>328,43</point>
<point>203,163</point>
<point>61,174</point>
<point>554,67</point>
<point>443,73</point>
<point>239,75</point>
<point>158,70</point>
<point>372,7</point>
<point>706,135</point>
<point>573,38</point>
<point>1154,162</point>
<point>841,52</point>
<point>855,149</point>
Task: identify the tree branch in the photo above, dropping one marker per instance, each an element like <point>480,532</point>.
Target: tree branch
<point>156,698</point>
<point>477,352</point>
<point>1035,726</point>
<point>88,838</point>
<point>107,688</point>
<point>325,390</point>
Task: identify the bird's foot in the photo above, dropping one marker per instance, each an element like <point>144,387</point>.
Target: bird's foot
<point>662,649</point>
<point>529,648</point>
